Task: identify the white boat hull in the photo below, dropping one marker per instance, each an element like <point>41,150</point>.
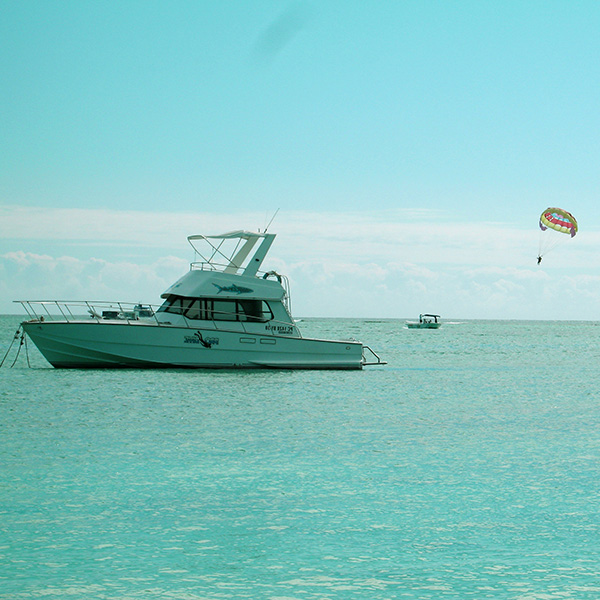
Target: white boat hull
<point>92,344</point>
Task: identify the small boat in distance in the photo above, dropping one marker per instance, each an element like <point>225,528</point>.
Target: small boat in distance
<point>425,321</point>
<point>223,313</point>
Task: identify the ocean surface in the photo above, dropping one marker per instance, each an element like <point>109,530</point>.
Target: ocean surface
<point>468,467</point>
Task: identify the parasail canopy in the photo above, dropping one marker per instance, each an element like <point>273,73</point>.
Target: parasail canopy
<point>556,225</point>
<point>558,219</point>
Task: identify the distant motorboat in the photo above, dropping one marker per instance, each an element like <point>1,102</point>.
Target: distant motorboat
<point>426,321</point>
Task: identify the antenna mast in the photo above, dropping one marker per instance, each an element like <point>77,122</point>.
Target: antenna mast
<point>272,219</point>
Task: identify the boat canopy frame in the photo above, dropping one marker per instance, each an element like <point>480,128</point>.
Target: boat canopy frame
<point>424,315</point>
<point>231,257</point>
<point>236,256</point>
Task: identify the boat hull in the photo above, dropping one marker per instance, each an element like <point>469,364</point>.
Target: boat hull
<point>423,325</point>
<point>82,344</point>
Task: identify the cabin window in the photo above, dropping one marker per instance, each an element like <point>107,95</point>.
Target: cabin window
<point>255,310</point>
<point>195,310</point>
<point>206,309</point>
<point>225,310</point>
<point>174,304</point>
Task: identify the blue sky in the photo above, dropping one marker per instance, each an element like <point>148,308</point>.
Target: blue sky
<point>410,148</point>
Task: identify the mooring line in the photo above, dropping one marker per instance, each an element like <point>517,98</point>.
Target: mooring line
<point>19,350</point>
<point>15,337</point>
<point>26,349</point>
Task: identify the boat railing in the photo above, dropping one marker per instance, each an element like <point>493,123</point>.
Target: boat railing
<point>74,310</point>
<point>368,359</point>
<point>136,313</point>
<point>206,266</point>
<point>285,284</point>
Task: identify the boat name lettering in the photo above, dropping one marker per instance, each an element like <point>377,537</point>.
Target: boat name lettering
<point>283,329</point>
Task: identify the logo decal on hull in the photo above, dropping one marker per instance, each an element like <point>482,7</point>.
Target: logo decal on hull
<point>198,339</point>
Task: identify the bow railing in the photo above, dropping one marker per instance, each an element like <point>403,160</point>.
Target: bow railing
<point>144,314</point>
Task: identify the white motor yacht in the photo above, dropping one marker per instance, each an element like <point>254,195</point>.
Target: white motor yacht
<point>223,313</point>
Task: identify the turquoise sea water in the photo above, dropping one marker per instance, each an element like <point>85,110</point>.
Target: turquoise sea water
<point>468,467</point>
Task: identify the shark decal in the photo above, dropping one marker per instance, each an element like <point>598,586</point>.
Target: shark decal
<point>234,289</point>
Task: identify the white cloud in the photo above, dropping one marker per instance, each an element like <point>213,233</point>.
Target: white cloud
<point>27,276</point>
<point>392,264</point>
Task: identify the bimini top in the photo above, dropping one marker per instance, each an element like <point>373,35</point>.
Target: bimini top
<point>231,252</point>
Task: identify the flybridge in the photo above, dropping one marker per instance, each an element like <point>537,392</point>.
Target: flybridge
<point>231,252</point>
<point>228,265</point>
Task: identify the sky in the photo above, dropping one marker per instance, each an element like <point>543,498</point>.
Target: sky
<point>409,148</point>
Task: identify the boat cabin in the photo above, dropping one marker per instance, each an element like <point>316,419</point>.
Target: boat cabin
<point>226,284</point>
<point>426,318</point>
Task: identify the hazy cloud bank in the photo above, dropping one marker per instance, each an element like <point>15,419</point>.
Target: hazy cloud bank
<point>395,264</point>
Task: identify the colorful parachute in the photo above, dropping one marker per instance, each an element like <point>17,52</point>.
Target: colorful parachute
<point>559,220</point>
<point>555,224</point>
